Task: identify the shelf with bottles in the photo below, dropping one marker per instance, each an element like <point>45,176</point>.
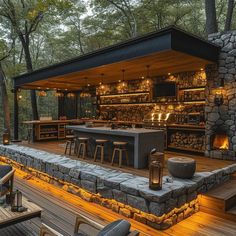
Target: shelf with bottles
<point>191,95</point>
<point>192,80</point>
<point>125,98</point>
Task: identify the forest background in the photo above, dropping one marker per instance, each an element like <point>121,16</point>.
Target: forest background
<point>35,34</point>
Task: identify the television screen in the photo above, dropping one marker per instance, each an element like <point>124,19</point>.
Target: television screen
<point>166,89</point>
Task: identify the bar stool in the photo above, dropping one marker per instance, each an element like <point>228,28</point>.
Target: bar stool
<point>120,147</point>
<point>99,145</point>
<point>70,141</point>
<point>29,134</point>
<point>82,146</point>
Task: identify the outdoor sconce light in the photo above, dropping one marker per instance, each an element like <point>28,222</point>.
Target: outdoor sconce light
<point>6,137</point>
<point>155,175</point>
<point>218,100</point>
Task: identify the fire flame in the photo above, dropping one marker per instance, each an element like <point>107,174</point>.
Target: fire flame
<point>221,142</point>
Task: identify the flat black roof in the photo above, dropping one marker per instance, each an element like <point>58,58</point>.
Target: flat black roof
<point>170,38</point>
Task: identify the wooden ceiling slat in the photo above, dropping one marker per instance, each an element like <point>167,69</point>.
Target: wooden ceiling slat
<point>160,64</point>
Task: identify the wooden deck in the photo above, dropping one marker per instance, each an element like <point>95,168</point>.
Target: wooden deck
<point>60,209</point>
<point>203,163</point>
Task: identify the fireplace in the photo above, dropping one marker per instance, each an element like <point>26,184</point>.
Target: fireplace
<point>220,141</point>
<point>220,146</point>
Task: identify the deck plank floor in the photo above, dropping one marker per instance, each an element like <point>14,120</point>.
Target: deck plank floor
<point>203,163</point>
<point>60,209</point>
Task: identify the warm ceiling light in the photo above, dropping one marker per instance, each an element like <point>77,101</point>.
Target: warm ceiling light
<point>201,69</point>
<point>42,93</point>
<point>119,80</point>
<point>70,95</point>
<point>169,73</point>
<point>59,94</point>
<point>85,92</point>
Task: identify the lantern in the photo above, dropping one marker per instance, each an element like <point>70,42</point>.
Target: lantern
<point>16,203</point>
<point>155,175</point>
<point>156,156</point>
<point>6,137</point>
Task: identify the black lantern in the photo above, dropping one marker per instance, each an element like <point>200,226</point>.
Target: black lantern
<point>155,175</point>
<point>16,203</point>
<point>6,137</point>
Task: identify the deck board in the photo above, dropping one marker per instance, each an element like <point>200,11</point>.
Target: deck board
<point>60,209</point>
<point>203,163</point>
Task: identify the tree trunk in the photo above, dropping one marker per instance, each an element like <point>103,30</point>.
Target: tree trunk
<point>229,15</point>
<point>29,66</point>
<point>5,102</point>
<point>211,22</point>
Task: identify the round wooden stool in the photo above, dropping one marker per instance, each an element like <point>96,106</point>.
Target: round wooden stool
<point>82,146</point>
<point>120,147</point>
<point>70,142</point>
<point>99,145</point>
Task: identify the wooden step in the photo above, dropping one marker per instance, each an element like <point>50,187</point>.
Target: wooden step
<point>220,201</point>
<point>232,211</point>
<point>223,196</point>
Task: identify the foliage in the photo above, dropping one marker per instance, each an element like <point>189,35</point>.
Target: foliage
<point>57,30</point>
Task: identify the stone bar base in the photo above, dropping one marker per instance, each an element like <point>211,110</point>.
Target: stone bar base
<point>124,193</point>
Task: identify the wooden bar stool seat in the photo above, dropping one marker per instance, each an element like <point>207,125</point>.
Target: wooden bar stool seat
<point>70,142</point>
<point>99,145</point>
<point>120,148</point>
<point>82,146</point>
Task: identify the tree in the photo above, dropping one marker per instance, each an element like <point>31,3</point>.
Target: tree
<point>3,87</point>
<point>24,17</point>
<point>229,15</point>
<point>211,22</point>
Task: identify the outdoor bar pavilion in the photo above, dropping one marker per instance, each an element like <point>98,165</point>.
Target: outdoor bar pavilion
<point>153,80</point>
<point>168,90</point>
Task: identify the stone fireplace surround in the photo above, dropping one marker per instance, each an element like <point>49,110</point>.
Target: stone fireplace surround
<point>223,116</point>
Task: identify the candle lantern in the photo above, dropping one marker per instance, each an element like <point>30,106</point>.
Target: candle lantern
<point>156,156</point>
<point>6,137</point>
<point>16,203</point>
<point>155,175</point>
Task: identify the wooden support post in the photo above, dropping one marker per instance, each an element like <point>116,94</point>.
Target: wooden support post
<point>16,115</point>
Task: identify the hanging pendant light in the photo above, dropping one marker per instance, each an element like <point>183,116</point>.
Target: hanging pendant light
<point>42,93</point>
<point>148,78</point>
<point>59,94</point>
<point>70,95</point>
<point>85,90</point>
<point>122,86</point>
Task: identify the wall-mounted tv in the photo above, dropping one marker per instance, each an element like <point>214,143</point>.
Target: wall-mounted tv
<point>165,89</point>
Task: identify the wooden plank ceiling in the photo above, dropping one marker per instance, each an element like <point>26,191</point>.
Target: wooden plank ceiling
<point>161,63</point>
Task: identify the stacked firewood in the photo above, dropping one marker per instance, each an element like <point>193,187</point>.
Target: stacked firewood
<point>188,140</point>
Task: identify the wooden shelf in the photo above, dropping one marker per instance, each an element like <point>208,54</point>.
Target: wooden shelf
<point>128,103</point>
<point>48,132</point>
<point>45,138</point>
<point>194,101</point>
<point>198,128</point>
<point>185,149</point>
<point>193,88</point>
<point>157,103</point>
<point>124,94</point>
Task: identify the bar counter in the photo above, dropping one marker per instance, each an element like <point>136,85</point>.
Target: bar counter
<point>140,141</point>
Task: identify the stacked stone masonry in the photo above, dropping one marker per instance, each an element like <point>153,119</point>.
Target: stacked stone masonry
<point>223,116</point>
<point>124,193</point>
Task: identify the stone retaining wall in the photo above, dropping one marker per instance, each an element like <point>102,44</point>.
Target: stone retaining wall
<point>124,193</point>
